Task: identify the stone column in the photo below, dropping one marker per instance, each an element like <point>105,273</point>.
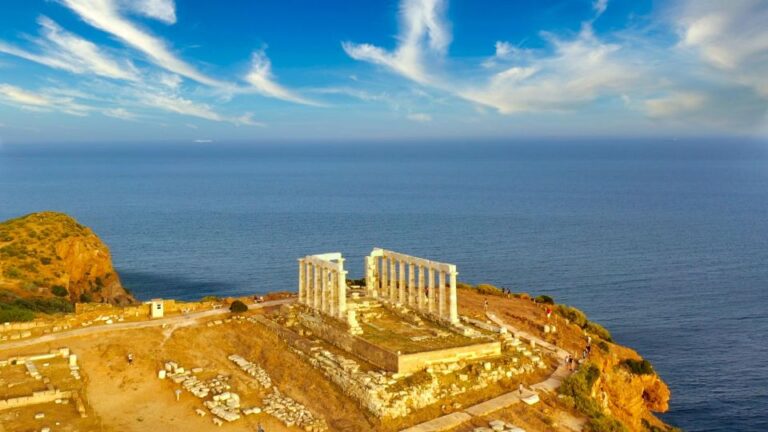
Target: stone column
<point>453,307</point>
<point>441,294</point>
<point>342,294</point>
<point>316,286</point>
<point>383,270</point>
<point>411,284</point>
<point>323,289</point>
<point>431,303</point>
<point>420,290</point>
<point>302,288</point>
<point>370,286</point>
<point>402,294</point>
<point>333,284</point>
<point>392,289</point>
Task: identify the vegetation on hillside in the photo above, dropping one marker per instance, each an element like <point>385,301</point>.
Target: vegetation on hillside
<point>48,261</point>
<point>637,367</point>
<point>577,392</point>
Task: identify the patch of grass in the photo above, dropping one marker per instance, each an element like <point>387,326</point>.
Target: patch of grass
<point>572,314</point>
<point>599,331</point>
<point>12,273</point>
<point>637,367</point>
<point>544,299</point>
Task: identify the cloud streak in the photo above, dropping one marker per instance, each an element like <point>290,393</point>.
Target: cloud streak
<point>262,81</point>
<point>61,49</point>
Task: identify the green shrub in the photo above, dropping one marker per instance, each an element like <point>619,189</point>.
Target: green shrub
<point>604,423</point>
<point>579,387</point>
<point>59,291</point>
<point>637,367</point>
<point>545,299</point>
<point>45,305</point>
<point>12,313</point>
<point>211,299</point>
<point>488,289</point>
<point>599,331</point>
<point>45,260</point>
<point>85,298</point>
<point>572,314</point>
<point>238,307</point>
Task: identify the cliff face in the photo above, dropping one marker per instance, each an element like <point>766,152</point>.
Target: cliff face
<point>630,397</point>
<point>49,254</point>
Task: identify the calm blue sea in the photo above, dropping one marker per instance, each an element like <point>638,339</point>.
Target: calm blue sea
<point>664,242</point>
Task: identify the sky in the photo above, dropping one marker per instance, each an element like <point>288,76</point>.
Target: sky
<point>270,70</point>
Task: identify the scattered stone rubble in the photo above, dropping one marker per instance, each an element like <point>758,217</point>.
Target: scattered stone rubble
<point>253,370</point>
<point>224,405</point>
<point>498,426</point>
<point>285,409</point>
<point>292,413</point>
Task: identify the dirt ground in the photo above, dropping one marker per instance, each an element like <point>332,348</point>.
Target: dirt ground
<point>123,397</point>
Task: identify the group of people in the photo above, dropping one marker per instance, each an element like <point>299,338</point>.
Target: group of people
<point>572,363</point>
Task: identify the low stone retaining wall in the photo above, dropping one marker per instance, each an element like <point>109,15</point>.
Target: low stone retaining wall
<point>35,398</point>
<point>408,363</point>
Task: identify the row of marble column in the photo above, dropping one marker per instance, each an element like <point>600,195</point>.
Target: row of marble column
<point>430,288</point>
<point>323,286</point>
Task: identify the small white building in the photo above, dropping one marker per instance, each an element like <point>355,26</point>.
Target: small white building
<point>156,308</point>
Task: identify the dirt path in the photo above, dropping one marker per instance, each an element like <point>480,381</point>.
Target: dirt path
<point>488,407</point>
<point>176,321</point>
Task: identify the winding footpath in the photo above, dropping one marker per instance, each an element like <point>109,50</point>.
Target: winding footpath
<point>186,319</point>
<point>456,419</point>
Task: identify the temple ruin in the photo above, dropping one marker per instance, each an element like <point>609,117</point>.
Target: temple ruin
<point>417,283</point>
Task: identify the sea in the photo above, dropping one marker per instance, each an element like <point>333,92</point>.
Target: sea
<point>663,241</point>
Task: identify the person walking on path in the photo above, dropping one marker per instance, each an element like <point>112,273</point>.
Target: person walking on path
<point>520,389</point>
<point>485,305</point>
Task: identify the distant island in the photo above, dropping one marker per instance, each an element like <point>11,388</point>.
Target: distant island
<point>407,348</point>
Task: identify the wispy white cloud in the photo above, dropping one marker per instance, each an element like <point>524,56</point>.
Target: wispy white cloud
<point>424,35</point>
<point>675,104</point>
<point>578,71</point>
<point>162,10</point>
<point>106,15</point>
<point>420,117</point>
<point>260,77</point>
<point>600,6</point>
<point>732,37</point>
<point>61,49</point>
<point>120,113</point>
<point>39,101</point>
<point>180,105</point>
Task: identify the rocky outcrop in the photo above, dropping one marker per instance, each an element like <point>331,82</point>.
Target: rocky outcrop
<point>630,397</point>
<point>50,254</point>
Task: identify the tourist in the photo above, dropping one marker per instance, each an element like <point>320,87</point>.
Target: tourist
<point>485,305</point>
<point>130,358</point>
<point>520,389</point>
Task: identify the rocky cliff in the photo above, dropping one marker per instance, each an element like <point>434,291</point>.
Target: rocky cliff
<point>50,254</point>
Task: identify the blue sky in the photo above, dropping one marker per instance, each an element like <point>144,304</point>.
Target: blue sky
<point>128,70</point>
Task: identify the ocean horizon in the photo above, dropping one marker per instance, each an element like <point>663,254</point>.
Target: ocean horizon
<point>664,242</point>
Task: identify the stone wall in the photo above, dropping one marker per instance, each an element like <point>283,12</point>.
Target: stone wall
<point>35,398</point>
<point>409,363</point>
<point>369,352</point>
